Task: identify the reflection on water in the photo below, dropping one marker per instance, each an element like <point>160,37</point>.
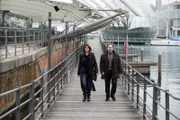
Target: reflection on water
<point>170,73</point>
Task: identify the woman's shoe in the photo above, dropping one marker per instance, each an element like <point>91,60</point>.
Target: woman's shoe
<point>84,99</point>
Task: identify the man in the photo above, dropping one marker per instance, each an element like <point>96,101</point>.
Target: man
<point>110,68</point>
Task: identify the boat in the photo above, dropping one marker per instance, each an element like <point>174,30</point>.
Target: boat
<point>165,42</point>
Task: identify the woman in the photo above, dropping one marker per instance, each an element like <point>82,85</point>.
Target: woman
<point>86,67</point>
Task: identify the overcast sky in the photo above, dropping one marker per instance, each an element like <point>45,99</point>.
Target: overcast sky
<point>163,1</point>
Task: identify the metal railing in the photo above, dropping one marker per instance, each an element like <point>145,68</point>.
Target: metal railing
<point>133,85</point>
<point>135,52</point>
<point>131,40</point>
<point>148,103</point>
<point>49,84</point>
<point>14,41</point>
<point>130,50</point>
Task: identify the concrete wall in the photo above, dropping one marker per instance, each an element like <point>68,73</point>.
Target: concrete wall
<point>23,69</point>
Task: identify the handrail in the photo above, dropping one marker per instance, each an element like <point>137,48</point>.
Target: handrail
<point>56,78</point>
<point>130,83</point>
<point>23,39</point>
<point>141,40</point>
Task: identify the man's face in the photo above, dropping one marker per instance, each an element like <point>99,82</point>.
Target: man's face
<point>110,48</point>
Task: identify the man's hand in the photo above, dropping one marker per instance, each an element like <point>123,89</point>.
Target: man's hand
<point>102,73</point>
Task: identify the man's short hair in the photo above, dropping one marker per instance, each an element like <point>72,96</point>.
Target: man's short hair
<point>110,44</point>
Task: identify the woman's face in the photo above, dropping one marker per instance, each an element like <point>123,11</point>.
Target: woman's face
<point>86,49</point>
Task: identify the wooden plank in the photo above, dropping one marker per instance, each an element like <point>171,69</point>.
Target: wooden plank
<point>69,105</point>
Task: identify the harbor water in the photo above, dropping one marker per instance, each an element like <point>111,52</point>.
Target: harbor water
<point>170,74</point>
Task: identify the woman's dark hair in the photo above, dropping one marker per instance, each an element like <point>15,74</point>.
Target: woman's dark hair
<point>87,45</point>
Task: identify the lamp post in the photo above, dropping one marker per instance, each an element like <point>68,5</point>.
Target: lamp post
<point>49,53</point>
<point>127,23</point>
<point>66,46</point>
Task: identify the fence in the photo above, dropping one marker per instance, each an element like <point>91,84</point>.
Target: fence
<point>49,84</point>
<point>148,103</point>
<point>14,41</point>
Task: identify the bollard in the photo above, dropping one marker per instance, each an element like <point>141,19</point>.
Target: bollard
<point>159,68</point>
<point>142,54</point>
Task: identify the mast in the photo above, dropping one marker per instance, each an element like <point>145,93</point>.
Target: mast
<point>167,23</point>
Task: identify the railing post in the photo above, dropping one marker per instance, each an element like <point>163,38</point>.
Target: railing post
<point>137,104</point>
<point>155,106</point>
<point>131,49</point>
<point>29,39</point>
<point>142,54</point>
<point>167,104</point>
<point>42,97</point>
<point>62,82</point>
<point>125,74</point>
<point>144,100</point>
<point>62,78</point>
<point>68,76</point>
<point>128,77</point>
<point>58,78</point>
<point>132,84</point>
<point>6,42</point>
<point>32,102</point>
<point>15,41</point>
<point>43,36</point>
<point>23,42</point>
<point>34,37</point>
<point>54,82</point>
<point>18,104</point>
<point>39,39</point>
<point>49,86</point>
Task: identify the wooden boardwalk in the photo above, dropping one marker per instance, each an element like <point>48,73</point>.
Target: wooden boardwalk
<point>69,105</point>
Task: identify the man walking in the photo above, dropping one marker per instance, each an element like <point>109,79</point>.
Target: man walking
<point>110,68</point>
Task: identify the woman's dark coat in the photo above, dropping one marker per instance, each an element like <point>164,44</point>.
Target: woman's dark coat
<point>93,69</point>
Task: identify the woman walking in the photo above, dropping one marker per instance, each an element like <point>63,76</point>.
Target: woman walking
<point>86,68</point>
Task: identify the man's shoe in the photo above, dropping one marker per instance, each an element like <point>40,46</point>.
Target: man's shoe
<point>88,99</point>
<point>107,99</point>
<point>114,99</point>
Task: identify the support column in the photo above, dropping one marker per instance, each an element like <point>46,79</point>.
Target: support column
<point>66,41</point>
<point>49,55</point>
